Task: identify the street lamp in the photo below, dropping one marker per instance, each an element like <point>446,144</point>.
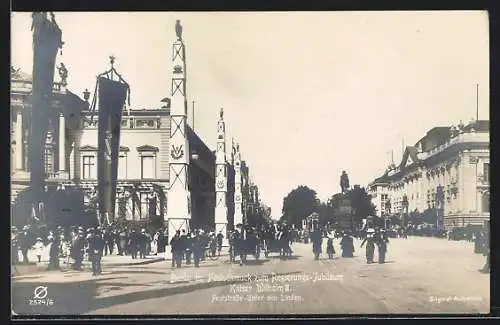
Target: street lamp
<point>86,95</point>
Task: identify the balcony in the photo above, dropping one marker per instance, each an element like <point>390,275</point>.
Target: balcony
<point>476,137</point>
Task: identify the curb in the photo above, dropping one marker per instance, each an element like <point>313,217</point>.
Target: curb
<point>151,261</point>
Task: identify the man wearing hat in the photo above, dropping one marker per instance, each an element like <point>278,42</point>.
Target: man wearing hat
<point>176,249</point>
<point>220,238</point>
<point>382,241</point>
<point>77,247</point>
<point>25,243</point>
<point>96,246</point>
<point>197,247</point>
<point>143,243</point>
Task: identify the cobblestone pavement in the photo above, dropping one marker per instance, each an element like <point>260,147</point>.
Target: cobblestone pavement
<point>422,275</point>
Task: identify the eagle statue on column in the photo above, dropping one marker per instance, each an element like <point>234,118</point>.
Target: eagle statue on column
<point>178,30</point>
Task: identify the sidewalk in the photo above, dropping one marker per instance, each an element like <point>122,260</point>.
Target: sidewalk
<point>109,260</point>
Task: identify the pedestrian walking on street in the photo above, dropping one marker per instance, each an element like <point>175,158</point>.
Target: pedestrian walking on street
<point>198,249</point>
<point>122,242</point>
<point>176,249</point>
<point>317,241</point>
<point>133,244</point>
<point>143,244</point>
<point>96,246</point>
<point>330,250</point>
<point>54,251</point>
<point>382,242</point>
<point>77,249</point>
<point>25,243</point>
<point>478,242</point>
<point>154,243</point>
<point>220,237</point>
<point>39,247</point>
<point>347,245</point>
<point>370,245</point>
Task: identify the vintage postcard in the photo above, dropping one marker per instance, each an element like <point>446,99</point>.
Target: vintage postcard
<point>257,163</point>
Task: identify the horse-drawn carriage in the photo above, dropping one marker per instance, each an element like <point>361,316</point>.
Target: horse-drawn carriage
<point>242,247</point>
<point>278,243</point>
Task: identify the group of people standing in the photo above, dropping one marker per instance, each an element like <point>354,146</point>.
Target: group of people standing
<point>374,238</point>
<point>76,244</point>
<point>194,246</point>
<point>346,242</point>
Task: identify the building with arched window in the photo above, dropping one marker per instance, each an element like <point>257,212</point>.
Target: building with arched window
<point>446,172</point>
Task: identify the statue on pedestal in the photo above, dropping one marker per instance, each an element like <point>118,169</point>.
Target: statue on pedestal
<point>344,182</point>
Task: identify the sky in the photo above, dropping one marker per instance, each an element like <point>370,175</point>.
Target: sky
<point>306,94</point>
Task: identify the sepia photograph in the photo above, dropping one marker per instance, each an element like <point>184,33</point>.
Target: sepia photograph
<point>250,163</point>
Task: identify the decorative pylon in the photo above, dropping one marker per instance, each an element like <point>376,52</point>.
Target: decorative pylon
<point>178,203</point>
<point>238,214</point>
<point>221,180</point>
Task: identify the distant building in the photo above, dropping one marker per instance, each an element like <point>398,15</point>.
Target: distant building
<point>447,171</point>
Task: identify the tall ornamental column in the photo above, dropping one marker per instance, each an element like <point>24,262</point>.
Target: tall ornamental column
<point>221,181</point>
<point>238,214</point>
<point>179,210</point>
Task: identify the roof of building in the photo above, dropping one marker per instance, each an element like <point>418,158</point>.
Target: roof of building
<point>19,75</point>
<point>382,179</point>
<point>410,151</point>
<point>434,137</point>
<point>198,145</point>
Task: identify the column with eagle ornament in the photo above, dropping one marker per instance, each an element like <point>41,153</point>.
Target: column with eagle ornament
<point>221,181</point>
<point>178,203</point>
<point>238,214</point>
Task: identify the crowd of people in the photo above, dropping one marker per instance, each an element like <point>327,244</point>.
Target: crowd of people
<point>76,244</point>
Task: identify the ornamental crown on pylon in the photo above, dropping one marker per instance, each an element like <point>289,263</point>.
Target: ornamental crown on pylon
<point>178,69</point>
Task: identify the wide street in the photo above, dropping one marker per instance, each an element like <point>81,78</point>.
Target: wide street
<point>422,275</point>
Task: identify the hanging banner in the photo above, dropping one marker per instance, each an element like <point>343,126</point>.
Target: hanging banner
<point>46,42</point>
<point>111,96</point>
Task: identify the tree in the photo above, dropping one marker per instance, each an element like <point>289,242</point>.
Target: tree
<point>429,216</point>
<point>299,204</point>
<point>361,203</point>
<point>325,212</point>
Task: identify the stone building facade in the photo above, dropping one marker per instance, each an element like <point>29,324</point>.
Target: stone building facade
<point>447,171</point>
<point>143,172</point>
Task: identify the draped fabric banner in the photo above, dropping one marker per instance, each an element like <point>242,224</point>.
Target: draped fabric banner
<point>46,42</point>
<point>112,95</point>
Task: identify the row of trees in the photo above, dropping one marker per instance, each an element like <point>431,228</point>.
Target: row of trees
<point>302,201</point>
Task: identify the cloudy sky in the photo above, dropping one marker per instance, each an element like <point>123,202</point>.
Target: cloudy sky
<point>306,94</point>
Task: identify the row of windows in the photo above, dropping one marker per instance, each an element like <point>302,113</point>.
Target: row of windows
<point>148,168</point>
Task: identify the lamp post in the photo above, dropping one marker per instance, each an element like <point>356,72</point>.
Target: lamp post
<point>86,95</point>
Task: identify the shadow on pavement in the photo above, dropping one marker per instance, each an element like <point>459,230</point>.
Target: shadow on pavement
<point>133,272</point>
<point>291,258</point>
<point>78,298</point>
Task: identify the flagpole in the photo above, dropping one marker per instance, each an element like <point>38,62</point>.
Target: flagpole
<point>193,113</point>
<point>477,102</point>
